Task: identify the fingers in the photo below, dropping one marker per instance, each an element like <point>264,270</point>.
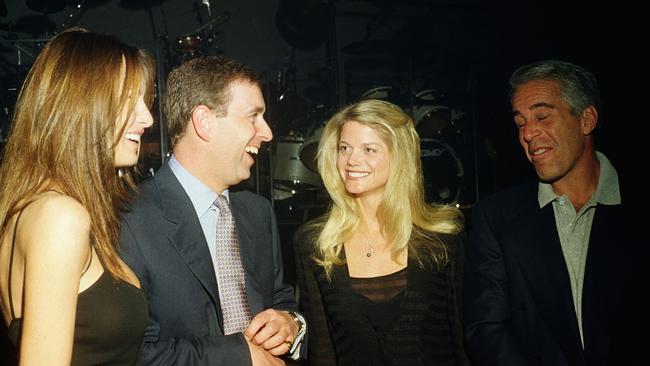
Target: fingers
<point>261,357</point>
<point>271,336</point>
<point>270,329</point>
<point>257,323</point>
<point>267,333</point>
<point>282,349</point>
<point>276,340</point>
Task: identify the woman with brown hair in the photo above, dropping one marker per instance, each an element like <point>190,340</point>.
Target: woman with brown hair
<point>379,273</point>
<point>67,297</point>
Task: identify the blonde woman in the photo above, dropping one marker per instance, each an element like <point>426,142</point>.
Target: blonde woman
<point>67,298</point>
<point>378,274</point>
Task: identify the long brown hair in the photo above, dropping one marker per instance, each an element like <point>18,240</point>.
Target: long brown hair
<point>65,129</point>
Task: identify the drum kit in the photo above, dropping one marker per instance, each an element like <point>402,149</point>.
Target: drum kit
<point>297,189</point>
<point>201,41</point>
<point>295,169</point>
<point>290,172</point>
<point>439,125</point>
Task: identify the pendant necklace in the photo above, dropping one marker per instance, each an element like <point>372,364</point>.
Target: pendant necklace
<point>370,249</point>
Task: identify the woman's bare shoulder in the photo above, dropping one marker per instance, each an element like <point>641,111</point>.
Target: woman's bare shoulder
<point>57,208</point>
<point>56,218</point>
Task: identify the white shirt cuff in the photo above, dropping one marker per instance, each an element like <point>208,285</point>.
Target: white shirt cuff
<point>294,352</point>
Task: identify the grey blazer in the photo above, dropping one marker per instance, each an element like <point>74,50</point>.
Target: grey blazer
<point>162,241</point>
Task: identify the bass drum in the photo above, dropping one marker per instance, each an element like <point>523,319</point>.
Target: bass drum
<point>443,172</point>
<point>289,173</point>
<point>433,119</point>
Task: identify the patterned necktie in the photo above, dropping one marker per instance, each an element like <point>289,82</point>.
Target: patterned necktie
<point>230,273</point>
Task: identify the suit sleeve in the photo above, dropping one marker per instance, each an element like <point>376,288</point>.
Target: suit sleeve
<point>283,296</point>
<point>283,293</point>
<point>486,299</point>
<point>191,350</point>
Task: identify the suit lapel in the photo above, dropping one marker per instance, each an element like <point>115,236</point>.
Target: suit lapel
<point>187,238</point>
<point>604,281</point>
<point>542,263</point>
<point>247,245</point>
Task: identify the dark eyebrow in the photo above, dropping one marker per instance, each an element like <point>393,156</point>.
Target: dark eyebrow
<point>516,113</point>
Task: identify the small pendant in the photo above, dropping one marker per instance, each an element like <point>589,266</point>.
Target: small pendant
<point>370,249</point>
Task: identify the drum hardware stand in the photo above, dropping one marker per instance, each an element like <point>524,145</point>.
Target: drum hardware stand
<point>164,148</point>
<point>270,148</point>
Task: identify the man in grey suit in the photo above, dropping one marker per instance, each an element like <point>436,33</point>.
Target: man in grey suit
<point>214,109</point>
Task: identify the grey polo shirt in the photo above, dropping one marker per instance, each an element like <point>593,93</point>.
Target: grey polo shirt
<point>574,228</point>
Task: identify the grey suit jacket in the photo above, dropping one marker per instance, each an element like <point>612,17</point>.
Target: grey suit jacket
<point>162,241</point>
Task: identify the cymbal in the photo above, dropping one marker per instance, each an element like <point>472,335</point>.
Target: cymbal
<point>213,21</point>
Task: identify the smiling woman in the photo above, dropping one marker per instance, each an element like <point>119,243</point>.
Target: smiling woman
<point>363,160</point>
<point>134,120</point>
<point>379,273</point>
<point>79,118</point>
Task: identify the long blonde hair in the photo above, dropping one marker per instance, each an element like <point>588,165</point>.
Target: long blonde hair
<point>65,129</point>
<point>407,221</point>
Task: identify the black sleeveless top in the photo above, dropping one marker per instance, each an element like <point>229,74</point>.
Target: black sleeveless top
<point>110,322</point>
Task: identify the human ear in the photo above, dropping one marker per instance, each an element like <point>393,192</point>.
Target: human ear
<point>588,120</point>
<point>201,122</point>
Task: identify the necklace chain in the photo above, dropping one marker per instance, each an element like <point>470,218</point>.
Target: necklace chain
<point>370,249</point>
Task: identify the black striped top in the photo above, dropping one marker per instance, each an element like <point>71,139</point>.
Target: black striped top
<point>414,319</point>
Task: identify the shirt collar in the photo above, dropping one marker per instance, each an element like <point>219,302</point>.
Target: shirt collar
<point>607,189</point>
<point>202,196</point>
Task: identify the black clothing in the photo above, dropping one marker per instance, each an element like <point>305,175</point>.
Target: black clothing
<point>110,322</point>
<point>419,325</point>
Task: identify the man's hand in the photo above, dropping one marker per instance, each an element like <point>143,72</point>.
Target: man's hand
<point>273,330</point>
<point>261,357</point>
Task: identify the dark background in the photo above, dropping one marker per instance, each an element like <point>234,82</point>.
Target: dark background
<point>445,62</point>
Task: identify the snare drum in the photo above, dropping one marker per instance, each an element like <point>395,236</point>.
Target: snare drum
<point>288,169</point>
